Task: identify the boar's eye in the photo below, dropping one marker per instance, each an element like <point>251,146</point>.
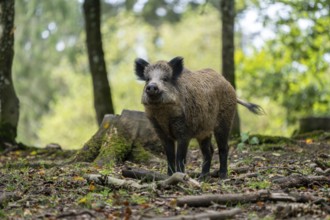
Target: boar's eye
<point>165,79</point>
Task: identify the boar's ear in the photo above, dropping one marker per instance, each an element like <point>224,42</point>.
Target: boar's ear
<point>140,65</point>
<point>177,66</point>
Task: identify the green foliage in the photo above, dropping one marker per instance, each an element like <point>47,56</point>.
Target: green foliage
<point>71,121</point>
<point>45,32</point>
<point>292,69</point>
<point>265,184</point>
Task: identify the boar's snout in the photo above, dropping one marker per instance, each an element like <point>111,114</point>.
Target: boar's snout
<point>152,90</point>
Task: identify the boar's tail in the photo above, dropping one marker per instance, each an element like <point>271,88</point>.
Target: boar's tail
<point>256,109</point>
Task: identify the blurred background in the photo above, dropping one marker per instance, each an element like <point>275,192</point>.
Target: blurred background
<point>282,57</point>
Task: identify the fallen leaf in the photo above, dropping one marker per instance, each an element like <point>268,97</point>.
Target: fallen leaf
<point>309,141</point>
<point>78,178</point>
<point>92,187</point>
<point>82,200</point>
<point>33,153</point>
<point>172,203</point>
<point>276,154</point>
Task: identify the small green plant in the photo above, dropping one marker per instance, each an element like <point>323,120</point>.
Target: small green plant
<point>2,214</point>
<point>246,139</point>
<point>259,184</point>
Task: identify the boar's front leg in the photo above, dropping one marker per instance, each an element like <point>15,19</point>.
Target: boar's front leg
<point>179,131</point>
<point>207,151</point>
<point>181,155</point>
<point>169,146</point>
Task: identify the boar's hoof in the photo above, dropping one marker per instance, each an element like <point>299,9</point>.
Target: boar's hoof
<point>204,177</point>
<point>223,175</point>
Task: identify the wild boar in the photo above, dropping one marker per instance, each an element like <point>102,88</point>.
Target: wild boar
<point>182,105</point>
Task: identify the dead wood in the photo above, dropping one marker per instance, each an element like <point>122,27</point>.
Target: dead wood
<point>246,175</point>
<point>206,215</point>
<point>319,171</point>
<point>262,195</point>
<point>297,181</point>
<point>141,174</point>
<point>75,214</point>
<point>322,164</point>
<point>119,183</point>
<point>178,178</point>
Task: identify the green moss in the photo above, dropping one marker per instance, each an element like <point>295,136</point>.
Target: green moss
<point>114,149</point>
<point>266,139</point>
<point>259,184</point>
<point>90,150</point>
<point>315,135</point>
<point>139,154</point>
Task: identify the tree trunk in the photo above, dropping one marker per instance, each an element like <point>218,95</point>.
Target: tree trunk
<point>102,94</point>
<point>9,103</point>
<point>228,48</point>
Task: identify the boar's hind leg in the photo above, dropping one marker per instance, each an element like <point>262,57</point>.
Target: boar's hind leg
<point>221,134</point>
<point>207,151</point>
<point>181,155</point>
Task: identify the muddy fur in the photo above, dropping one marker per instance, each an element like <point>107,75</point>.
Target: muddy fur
<point>182,105</point>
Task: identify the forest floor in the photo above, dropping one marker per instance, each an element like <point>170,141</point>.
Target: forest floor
<point>38,184</point>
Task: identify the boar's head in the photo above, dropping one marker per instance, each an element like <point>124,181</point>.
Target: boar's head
<point>161,80</point>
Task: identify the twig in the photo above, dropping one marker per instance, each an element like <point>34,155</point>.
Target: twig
<point>297,181</point>
<point>142,174</point>
<point>262,195</point>
<point>206,215</point>
<point>71,214</point>
<point>115,182</point>
<point>283,168</point>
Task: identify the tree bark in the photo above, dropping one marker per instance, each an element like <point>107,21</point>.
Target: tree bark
<point>102,94</point>
<point>9,103</point>
<point>228,49</point>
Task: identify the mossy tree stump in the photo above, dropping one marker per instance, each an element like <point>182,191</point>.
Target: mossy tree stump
<point>128,136</point>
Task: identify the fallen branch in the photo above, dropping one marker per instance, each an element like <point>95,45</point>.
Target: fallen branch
<point>262,195</point>
<point>141,174</point>
<point>297,181</point>
<point>206,215</point>
<point>75,214</point>
<point>246,175</point>
<point>115,182</point>
<point>178,178</point>
<point>319,171</point>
